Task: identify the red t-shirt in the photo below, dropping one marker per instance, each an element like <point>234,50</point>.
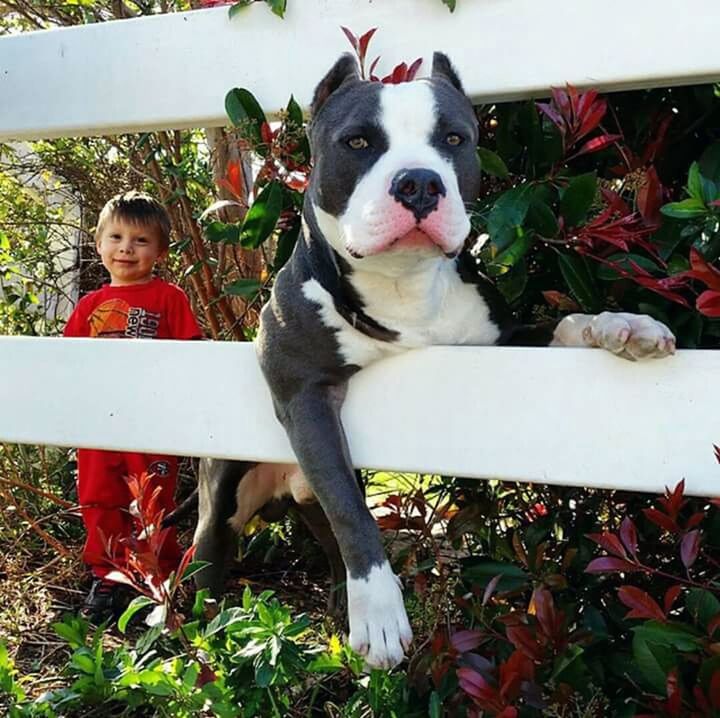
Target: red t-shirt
<point>155,310</point>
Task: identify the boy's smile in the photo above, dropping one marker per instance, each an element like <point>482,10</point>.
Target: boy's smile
<point>129,252</point>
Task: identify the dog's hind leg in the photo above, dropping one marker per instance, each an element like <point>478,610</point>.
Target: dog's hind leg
<point>312,515</point>
<point>215,540</point>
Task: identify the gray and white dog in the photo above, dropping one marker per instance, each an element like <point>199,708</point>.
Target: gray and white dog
<point>380,269</point>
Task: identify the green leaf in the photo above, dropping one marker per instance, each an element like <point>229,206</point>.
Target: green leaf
<point>674,635</point>
<point>278,6</point>
<point>492,163</point>
<point>294,112</point>
<point>577,275</point>
<point>83,661</point>
<point>235,8</point>
<point>510,256</point>
<point>687,209</point>
<point>482,571</point>
<point>507,215</point>
<point>435,707</point>
<point>262,217</point>
<point>694,185</point>
<point>70,633</point>
<point>577,198</point>
<point>221,232</point>
<point>709,163</point>
<point>285,245</point>
<point>138,603</point>
<point>246,288</point>
<point>244,111</point>
<point>654,662</point>
<point>512,283</point>
<point>623,259</point>
<point>193,568</point>
<point>702,606</point>
<point>264,674</point>
<point>542,219</point>
<point>451,4</point>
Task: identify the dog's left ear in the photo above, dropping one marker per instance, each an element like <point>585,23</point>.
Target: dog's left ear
<point>442,68</point>
<point>344,70</point>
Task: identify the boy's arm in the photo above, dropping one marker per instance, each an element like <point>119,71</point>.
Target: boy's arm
<point>77,325</point>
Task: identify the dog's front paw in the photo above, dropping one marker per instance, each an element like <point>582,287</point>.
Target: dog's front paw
<point>633,336</point>
<point>379,627</point>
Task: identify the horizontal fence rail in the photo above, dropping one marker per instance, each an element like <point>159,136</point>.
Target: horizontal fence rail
<point>173,71</point>
<point>575,417</point>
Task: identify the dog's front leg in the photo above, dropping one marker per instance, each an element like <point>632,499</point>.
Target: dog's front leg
<point>379,627</point>
<point>632,336</point>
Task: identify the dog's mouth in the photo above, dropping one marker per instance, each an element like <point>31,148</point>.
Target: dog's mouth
<point>414,240</point>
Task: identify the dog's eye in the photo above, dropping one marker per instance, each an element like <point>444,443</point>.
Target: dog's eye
<point>358,143</point>
<point>454,139</point>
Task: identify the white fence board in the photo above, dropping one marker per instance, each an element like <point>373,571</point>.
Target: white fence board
<point>173,71</point>
<point>562,416</point>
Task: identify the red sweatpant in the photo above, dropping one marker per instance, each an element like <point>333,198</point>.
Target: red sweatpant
<point>104,500</point>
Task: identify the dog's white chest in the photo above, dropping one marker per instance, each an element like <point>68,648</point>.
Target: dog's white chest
<point>423,313</point>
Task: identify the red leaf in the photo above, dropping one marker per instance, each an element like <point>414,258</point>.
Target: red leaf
<point>235,178</point>
<point>490,588</point>
<point>696,519</point>
<point>412,70</point>
<point>610,542</point>
<point>628,534</point>
<point>670,596</point>
<point>642,605</point>
<point>674,701</point>
<point>662,520</point>
<point>364,42</point>
<point>713,625</point>
<point>596,144</point>
<point>708,303</point>
<point>545,611</point>
<point>206,675</point>
<point>508,712</point>
<point>607,564</point>
<point>690,547</point>
<point>561,301</point>
<point>650,197</point>
<point>521,637</point>
<point>351,37</point>
<point>714,689</point>
<point>463,641</point>
<point>703,270</point>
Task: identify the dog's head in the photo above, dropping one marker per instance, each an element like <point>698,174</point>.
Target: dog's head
<point>394,165</point>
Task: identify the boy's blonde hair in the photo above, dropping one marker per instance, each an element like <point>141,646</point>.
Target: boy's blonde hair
<point>136,208</point>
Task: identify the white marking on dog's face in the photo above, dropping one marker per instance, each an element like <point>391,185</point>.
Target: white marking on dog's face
<point>373,220</point>
<point>379,626</point>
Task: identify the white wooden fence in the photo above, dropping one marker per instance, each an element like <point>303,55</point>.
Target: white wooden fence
<point>566,416</point>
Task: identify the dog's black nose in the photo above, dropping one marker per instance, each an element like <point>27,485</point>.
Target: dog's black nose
<point>418,190</point>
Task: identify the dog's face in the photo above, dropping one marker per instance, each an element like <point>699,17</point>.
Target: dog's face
<point>394,165</point>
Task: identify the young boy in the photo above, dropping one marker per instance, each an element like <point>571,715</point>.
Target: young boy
<point>132,235</point>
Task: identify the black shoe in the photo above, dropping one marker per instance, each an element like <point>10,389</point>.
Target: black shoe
<point>106,600</point>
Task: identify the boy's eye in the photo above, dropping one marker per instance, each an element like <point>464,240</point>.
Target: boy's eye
<point>142,240</point>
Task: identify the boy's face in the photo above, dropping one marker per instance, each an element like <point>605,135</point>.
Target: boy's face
<point>129,251</point>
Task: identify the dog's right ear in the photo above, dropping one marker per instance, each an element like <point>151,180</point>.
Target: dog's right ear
<point>344,70</point>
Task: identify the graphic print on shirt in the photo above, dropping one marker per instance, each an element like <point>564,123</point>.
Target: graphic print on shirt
<point>116,318</point>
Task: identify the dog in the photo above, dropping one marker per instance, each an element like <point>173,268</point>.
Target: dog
<point>229,494</point>
<point>380,268</point>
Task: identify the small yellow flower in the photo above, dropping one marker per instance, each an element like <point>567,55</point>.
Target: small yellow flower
<point>334,646</point>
